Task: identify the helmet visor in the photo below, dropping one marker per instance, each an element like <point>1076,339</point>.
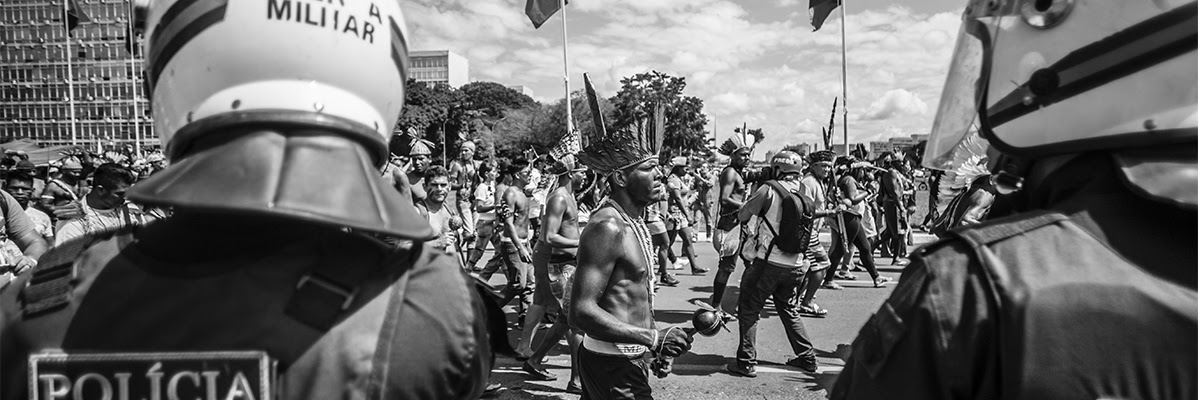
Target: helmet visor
<point>958,109</point>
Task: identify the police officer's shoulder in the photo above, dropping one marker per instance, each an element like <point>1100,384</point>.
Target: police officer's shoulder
<point>51,285</point>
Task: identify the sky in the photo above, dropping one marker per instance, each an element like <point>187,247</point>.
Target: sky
<point>756,62</point>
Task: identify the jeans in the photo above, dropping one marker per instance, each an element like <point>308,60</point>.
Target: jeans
<point>758,282</point>
<point>518,273</point>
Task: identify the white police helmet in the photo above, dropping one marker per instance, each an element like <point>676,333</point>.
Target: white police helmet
<point>1045,77</point>
<point>279,106</point>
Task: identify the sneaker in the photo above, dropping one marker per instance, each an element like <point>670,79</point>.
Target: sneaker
<point>880,281</point>
<point>740,369</point>
<point>668,280</point>
<point>807,364</point>
<point>680,263</point>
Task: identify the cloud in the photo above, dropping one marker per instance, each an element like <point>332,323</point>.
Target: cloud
<point>756,62</point>
<point>894,102</point>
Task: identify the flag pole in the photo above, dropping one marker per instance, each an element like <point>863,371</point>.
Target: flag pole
<point>845,109</point>
<point>562,4</point>
<point>70,74</point>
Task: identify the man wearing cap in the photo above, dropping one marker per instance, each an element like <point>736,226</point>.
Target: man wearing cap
<point>781,238</point>
<point>264,283</point>
<point>612,297</point>
<point>553,269</point>
<point>63,195</point>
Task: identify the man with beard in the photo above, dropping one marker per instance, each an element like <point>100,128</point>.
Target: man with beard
<point>612,300</point>
<point>443,221</point>
<point>554,268</point>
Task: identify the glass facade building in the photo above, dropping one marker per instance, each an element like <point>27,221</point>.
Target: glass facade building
<point>79,87</point>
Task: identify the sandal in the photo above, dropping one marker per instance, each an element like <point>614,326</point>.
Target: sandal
<point>812,310</point>
<point>832,286</point>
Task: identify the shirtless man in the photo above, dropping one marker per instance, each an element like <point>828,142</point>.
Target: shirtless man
<point>611,299</point>
<point>731,196</point>
<point>553,268</point>
<point>513,250</point>
<point>463,180</point>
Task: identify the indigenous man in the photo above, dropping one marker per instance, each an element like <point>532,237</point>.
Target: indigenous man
<point>263,283</point>
<point>464,177</point>
<point>612,299</point>
<point>732,193</point>
<point>420,156</point>
<point>513,252</point>
<point>554,269</point>
<point>1089,290</point>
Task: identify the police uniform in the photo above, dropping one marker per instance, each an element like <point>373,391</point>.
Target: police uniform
<point>1000,311</point>
<point>264,283</point>
<point>407,310</point>
<point>1083,283</point>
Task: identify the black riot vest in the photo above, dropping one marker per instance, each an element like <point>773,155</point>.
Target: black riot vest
<point>1076,320</point>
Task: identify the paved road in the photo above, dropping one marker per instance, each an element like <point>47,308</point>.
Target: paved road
<point>700,374</point>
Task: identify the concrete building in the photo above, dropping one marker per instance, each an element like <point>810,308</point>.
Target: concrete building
<point>525,90</point>
<point>439,66</point>
<point>84,88</point>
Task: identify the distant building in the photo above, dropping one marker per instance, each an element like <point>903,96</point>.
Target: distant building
<point>84,88</point>
<point>525,90</point>
<point>878,148</point>
<point>438,66</point>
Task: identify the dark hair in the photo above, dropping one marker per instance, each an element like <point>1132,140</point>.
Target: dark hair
<point>484,168</point>
<point>111,175</point>
<point>436,171</point>
<point>678,169</point>
<point>513,167</point>
<point>18,176</point>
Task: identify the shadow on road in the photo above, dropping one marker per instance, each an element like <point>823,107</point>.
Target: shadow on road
<point>714,362</point>
<point>815,382</point>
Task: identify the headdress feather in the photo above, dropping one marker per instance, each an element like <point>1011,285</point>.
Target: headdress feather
<point>606,152</point>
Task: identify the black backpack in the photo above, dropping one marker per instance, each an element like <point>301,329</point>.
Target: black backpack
<point>796,222</point>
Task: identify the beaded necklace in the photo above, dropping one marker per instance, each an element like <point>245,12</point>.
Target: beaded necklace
<point>643,237</point>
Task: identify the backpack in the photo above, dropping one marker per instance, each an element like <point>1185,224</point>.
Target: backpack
<point>795,223</point>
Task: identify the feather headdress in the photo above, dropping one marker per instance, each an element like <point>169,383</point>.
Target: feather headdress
<point>611,151</point>
<point>739,140</point>
<point>969,162</point>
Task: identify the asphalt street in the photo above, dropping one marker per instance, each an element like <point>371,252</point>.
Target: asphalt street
<point>700,374</point>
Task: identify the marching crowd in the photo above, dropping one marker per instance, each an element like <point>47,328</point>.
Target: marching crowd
<point>531,210</point>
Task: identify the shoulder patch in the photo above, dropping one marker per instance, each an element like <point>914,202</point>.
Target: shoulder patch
<point>51,285</point>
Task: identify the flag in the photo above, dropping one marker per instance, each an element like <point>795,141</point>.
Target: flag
<point>74,16</point>
<point>594,105</point>
<point>541,10</point>
<point>819,10</point>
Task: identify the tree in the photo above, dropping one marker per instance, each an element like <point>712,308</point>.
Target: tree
<point>684,114</point>
<point>428,110</point>
<point>493,99</point>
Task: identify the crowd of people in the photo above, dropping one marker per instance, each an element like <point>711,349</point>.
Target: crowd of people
<point>79,194</point>
<point>287,256</point>
<point>530,210</point>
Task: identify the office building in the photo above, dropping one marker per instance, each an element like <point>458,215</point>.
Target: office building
<point>522,89</point>
<point>438,66</point>
<point>81,86</point>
